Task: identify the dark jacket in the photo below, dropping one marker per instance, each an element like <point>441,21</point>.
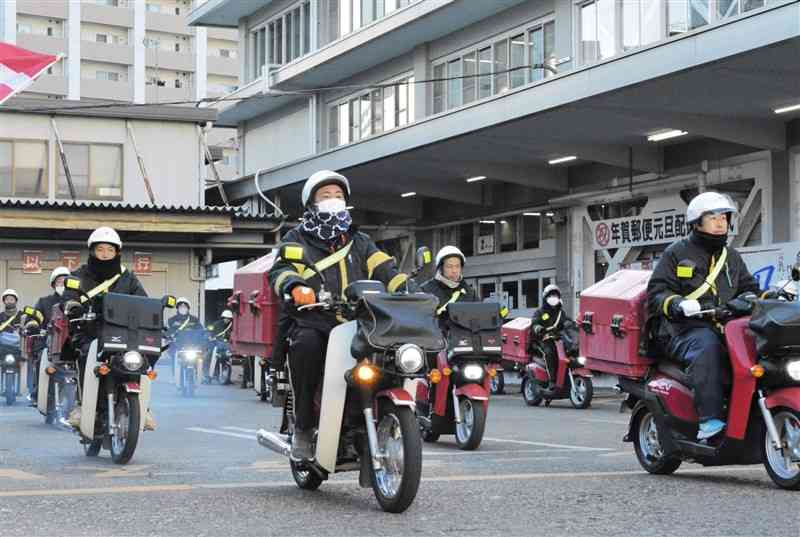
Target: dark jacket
<point>221,329</point>
<point>554,319</point>
<point>180,322</point>
<point>45,305</point>
<point>668,287</point>
<point>364,262</point>
<point>127,284</point>
<point>444,293</point>
<point>13,326</point>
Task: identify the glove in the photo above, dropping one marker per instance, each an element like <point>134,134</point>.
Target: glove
<point>538,330</point>
<point>689,307</point>
<point>303,296</point>
<point>412,286</point>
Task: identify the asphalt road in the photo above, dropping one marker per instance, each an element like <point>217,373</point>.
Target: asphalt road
<point>540,471</point>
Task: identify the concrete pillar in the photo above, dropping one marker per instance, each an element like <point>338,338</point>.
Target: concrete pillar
<point>73,64</point>
<point>8,21</point>
<point>793,164</point>
<point>139,54</point>
<point>201,63</point>
<point>581,254</point>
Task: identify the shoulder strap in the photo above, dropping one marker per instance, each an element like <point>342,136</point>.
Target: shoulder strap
<point>709,283</point>
<point>453,298</point>
<point>185,323</point>
<point>8,322</point>
<point>328,262</point>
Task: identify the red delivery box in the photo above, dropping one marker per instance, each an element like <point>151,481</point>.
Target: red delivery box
<point>612,319</point>
<point>515,339</point>
<point>255,309</point>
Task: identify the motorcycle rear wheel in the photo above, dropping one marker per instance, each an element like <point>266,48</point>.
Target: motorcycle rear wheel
<point>648,447</point>
<point>581,395</point>
<point>531,392</point>
<point>783,471</point>
<point>127,415</point>
<point>395,485</point>
<point>11,389</point>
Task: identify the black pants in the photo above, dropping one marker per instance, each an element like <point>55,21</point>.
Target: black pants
<point>306,365</point>
<point>703,350</point>
<point>551,359</point>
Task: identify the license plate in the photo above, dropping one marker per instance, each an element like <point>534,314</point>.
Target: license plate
<point>132,387</point>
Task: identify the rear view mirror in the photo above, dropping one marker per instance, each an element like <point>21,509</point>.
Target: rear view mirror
<point>424,257</point>
<point>169,301</point>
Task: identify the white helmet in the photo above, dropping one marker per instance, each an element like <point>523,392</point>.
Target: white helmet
<point>449,251</point>
<point>321,178</point>
<point>709,202</point>
<point>57,273</point>
<point>183,300</point>
<point>550,289</point>
<point>227,314</point>
<point>9,292</point>
<point>104,234</point>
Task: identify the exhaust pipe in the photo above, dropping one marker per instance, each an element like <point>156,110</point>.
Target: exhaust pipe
<point>276,442</point>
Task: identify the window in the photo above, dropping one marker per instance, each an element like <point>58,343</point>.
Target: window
<point>107,75</point>
<point>466,236</point>
<point>508,234</point>
<point>486,243</point>
<point>153,8</point>
<point>511,288</point>
<point>282,39</point>
<point>347,16</point>
<point>372,112</point>
<point>224,53</point>
<point>530,293</point>
<point>640,24</point>
<point>597,30</point>
<point>49,31</point>
<point>493,68</point>
<point>151,43</point>
<point>531,231</point>
<point>24,28</point>
<point>23,169</point>
<point>101,38</point>
<point>96,171</point>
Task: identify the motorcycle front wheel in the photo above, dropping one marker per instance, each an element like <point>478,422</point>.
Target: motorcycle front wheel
<point>396,483</point>
<point>531,392</point>
<point>783,465</point>
<point>127,417</point>
<point>469,432</point>
<point>581,394</point>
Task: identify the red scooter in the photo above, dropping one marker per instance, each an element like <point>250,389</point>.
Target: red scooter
<point>457,401</point>
<point>763,423</point>
<point>572,380</point>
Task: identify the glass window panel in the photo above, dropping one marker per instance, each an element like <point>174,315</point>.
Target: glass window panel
<point>468,85</point>
<point>306,28</point>
<point>536,52</point>
<point>345,21</point>
<point>747,5</point>
<point>454,84</point>
<point>297,21</point>
<point>699,14</point>
<point>355,116</point>
<point>677,17</point>
<point>410,104</point>
<point>333,126</point>
<point>605,27</point>
<point>520,75</point>
<point>105,171</point>
<point>6,162</point>
<point>485,70</point>
<point>390,5</point>
<point>279,43</point>
<point>548,229</point>
<point>466,234</point>
<point>530,293</point>
<point>590,46</point>
<point>727,8</point>
<point>549,44</point>
<point>500,66</point>
<point>631,25</point>
<point>380,9</point>
<point>377,111</point>
<point>651,14</point>
<point>355,10</point>
<point>389,103</point>
<point>367,13</point>
<point>403,102</point>
<point>344,123</point>
<point>530,231</point>
<point>30,169</point>
<point>438,88</point>
<point>487,289</point>
<point>366,114</point>
<point>78,161</point>
<point>512,289</point>
<point>289,33</point>
<point>333,20</point>
<point>271,47</point>
<point>508,234</point>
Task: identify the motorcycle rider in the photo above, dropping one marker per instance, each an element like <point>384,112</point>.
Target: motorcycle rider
<point>183,320</point>
<point>343,254</point>
<point>220,334</point>
<point>45,306</point>
<point>695,274</point>
<point>550,317</point>
<point>10,317</point>
<point>448,283</point>
<point>103,273</point>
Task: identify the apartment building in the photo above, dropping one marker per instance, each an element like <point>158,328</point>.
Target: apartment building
<point>551,140</point>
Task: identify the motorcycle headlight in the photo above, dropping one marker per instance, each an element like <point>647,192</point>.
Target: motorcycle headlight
<point>582,360</point>
<point>793,369</point>
<point>9,359</point>
<point>133,361</point>
<point>410,358</point>
<point>190,356</point>
<point>473,372</point>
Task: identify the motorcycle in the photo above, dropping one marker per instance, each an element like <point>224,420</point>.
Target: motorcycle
<point>126,339</point>
<point>366,410</point>
<point>13,381</point>
<point>219,367</point>
<point>536,377</point>
<point>457,401</point>
<point>189,348</point>
<point>763,424</point>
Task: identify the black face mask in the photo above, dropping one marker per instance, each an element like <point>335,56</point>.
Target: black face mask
<point>710,243</point>
<point>104,270</point>
<point>11,308</point>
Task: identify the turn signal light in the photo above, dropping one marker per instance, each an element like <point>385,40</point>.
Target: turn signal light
<point>447,371</point>
<point>51,370</point>
<point>152,375</point>
<point>366,374</point>
<point>104,370</point>
<point>435,376</point>
<point>757,371</point>
<point>493,372</point>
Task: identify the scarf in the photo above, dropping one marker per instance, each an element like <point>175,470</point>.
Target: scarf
<point>708,242</point>
<point>104,270</point>
<point>446,281</point>
<point>326,226</point>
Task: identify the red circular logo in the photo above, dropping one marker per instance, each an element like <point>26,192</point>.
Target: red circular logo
<point>602,234</point>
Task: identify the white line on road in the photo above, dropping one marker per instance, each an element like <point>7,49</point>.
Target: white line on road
<point>546,444</point>
<point>617,454</point>
<point>222,433</point>
<point>613,422</point>
<point>241,429</point>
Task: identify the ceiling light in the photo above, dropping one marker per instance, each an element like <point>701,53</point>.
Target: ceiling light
<point>487,222</point>
<point>785,109</point>
<point>666,135</point>
<point>349,207</point>
<point>408,194</point>
<point>476,179</point>
<point>531,214</point>
<point>550,214</point>
<point>562,160</point>
<point>504,222</point>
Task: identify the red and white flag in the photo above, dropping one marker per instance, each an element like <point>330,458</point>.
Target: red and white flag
<point>19,68</point>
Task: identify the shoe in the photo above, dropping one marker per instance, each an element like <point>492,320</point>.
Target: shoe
<point>149,421</point>
<point>301,445</point>
<point>32,399</point>
<point>710,428</point>
<point>75,417</point>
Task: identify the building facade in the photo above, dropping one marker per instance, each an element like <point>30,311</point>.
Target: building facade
<point>551,140</point>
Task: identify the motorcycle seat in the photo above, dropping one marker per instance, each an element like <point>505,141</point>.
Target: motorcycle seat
<point>675,371</point>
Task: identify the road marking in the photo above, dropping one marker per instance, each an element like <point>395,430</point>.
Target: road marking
<point>133,470</point>
<point>614,422</point>
<point>527,459</point>
<point>282,484</point>
<point>546,444</point>
<point>485,453</point>
<point>222,433</point>
<point>241,430</point>
<point>18,475</point>
<point>617,454</point>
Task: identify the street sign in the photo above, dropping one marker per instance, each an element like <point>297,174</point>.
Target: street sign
<point>143,263</point>
<point>32,261</point>
<point>71,260</point>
